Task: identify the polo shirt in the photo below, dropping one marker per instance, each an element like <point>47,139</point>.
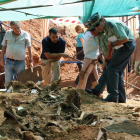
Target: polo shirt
<point>49,46</point>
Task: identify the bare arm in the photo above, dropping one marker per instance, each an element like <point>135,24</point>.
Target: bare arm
<point>30,53</point>
<point>2,55</point>
<point>30,57</point>
<point>52,57</point>
<point>55,56</point>
<point>109,52</point>
<point>82,41</point>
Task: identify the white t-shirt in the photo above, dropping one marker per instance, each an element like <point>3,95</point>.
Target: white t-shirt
<point>16,48</point>
<point>91,48</point>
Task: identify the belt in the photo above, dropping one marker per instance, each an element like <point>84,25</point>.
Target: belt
<point>13,59</point>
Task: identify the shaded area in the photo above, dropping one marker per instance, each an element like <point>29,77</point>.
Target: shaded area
<point>126,126</point>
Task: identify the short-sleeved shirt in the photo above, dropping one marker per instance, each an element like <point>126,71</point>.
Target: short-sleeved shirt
<point>16,47</point>
<point>79,43</point>
<point>91,48</point>
<point>114,28</point>
<point>49,46</point>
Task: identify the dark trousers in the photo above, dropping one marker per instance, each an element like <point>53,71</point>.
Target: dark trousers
<point>79,57</point>
<point>115,69</point>
<point>113,75</point>
<point>101,83</point>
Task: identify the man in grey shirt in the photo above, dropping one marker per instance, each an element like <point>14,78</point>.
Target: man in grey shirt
<point>14,48</point>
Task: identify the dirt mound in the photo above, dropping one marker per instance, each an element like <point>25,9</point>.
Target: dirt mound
<point>27,115</point>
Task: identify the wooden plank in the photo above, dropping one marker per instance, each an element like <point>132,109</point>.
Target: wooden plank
<point>28,75</point>
<point>45,25</point>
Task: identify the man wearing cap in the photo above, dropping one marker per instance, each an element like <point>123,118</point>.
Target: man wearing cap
<point>116,36</point>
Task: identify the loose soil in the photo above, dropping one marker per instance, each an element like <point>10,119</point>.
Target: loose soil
<point>41,116</point>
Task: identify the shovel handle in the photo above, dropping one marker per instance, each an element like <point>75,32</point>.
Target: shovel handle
<point>32,69</point>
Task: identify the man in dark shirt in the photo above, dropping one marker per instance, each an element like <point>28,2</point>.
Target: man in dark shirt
<point>53,48</point>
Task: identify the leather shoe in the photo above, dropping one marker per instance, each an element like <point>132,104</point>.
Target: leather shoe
<point>111,98</point>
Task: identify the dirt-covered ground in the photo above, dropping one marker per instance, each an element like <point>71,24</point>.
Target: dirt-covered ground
<point>49,113</point>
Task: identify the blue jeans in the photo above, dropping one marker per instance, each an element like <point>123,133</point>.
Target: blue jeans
<point>12,68</point>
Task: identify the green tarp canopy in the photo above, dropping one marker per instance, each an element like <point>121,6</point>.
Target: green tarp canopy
<point>31,9</point>
<point>6,1</point>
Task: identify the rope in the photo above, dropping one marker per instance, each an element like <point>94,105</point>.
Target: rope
<point>132,85</point>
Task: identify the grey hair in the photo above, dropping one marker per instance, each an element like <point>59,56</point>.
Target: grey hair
<point>14,23</point>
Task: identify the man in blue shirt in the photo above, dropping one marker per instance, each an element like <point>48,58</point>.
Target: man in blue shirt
<point>53,48</point>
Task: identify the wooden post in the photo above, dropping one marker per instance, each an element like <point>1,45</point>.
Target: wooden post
<point>126,78</point>
<point>45,25</point>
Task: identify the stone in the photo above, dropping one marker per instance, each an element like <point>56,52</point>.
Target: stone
<point>137,96</point>
<point>136,114</point>
<point>110,117</point>
<point>137,109</point>
<point>130,106</point>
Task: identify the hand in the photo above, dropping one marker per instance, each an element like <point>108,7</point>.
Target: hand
<point>46,62</point>
<point>109,43</point>
<point>100,58</point>
<point>2,63</point>
<point>42,64</point>
<point>30,64</point>
<point>65,55</point>
<point>104,65</point>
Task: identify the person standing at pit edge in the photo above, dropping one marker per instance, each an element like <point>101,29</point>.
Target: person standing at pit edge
<point>79,45</point>
<point>115,35</point>
<point>14,48</point>
<point>53,48</point>
<point>91,52</point>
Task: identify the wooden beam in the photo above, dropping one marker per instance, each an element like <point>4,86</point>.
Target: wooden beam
<point>45,26</point>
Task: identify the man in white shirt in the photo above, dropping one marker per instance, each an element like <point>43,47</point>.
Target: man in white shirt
<point>91,52</point>
<point>14,48</point>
